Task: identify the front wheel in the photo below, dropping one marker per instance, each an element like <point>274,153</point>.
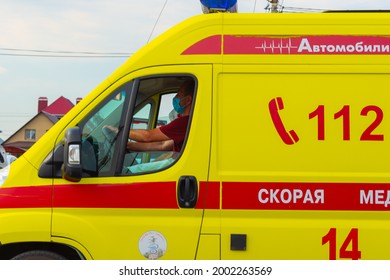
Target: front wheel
<point>38,255</point>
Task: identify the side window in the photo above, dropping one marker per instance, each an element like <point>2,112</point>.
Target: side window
<point>141,119</point>
<point>165,113</point>
<point>100,131</point>
<point>154,111</point>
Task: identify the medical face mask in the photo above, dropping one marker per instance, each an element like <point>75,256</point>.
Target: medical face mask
<point>176,105</point>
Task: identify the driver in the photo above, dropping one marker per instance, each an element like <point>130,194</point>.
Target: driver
<point>169,137</point>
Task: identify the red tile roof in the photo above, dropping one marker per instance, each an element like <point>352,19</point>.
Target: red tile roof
<point>59,107</point>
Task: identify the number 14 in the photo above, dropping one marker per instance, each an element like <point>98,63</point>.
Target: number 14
<point>344,253</point>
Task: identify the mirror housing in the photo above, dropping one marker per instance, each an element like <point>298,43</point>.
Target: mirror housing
<point>72,167</point>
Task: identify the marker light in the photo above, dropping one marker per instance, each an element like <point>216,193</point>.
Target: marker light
<point>74,154</point>
<point>213,6</point>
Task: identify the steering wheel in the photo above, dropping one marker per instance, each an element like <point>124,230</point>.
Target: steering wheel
<point>104,156</point>
<point>110,133</point>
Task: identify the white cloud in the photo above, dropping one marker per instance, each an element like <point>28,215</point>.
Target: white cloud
<point>78,25</point>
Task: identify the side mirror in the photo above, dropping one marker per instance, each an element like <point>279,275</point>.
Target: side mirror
<point>72,168</point>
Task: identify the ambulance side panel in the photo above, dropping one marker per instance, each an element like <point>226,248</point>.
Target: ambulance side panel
<point>297,201</point>
<point>300,142</point>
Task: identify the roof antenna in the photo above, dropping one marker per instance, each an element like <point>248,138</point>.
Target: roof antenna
<point>274,5</point>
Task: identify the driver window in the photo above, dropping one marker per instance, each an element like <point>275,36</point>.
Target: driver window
<point>100,133</point>
<point>154,111</point>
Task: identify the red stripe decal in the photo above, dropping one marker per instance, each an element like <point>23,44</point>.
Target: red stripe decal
<point>137,195</point>
<point>25,197</point>
<point>209,45</point>
<point>306,45</point>
<point>302,45</point>
<point>160,195</point>
<point>306,196</point>
<point>235,195</point>
<point>213,196</point>
<point>209,195</point>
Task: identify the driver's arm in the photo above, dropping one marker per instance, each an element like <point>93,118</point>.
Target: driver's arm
<point>150,146</point>
<point>151,135</point>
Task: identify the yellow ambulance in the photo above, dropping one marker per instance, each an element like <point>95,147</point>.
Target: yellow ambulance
<point>287,153</point>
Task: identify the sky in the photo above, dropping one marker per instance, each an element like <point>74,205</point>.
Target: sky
<point>56,48</point>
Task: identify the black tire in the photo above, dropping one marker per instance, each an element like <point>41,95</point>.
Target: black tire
<point>38,255</point>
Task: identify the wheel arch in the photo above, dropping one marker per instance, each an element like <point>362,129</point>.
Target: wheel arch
<point>10,250</point>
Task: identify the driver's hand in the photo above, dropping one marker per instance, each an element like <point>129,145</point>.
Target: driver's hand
<point>110,129</point>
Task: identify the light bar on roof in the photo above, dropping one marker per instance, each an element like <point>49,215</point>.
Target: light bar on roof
<point>213,6</point>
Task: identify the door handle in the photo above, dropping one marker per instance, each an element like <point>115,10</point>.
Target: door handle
<point>187,192</point>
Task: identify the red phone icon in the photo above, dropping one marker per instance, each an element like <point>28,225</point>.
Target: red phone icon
<point>288,137</point>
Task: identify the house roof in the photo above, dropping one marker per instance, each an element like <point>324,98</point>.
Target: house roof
<point>51,117</point>
<point>53,112</point>
<point>22,145</point>
<point>59,107</point>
